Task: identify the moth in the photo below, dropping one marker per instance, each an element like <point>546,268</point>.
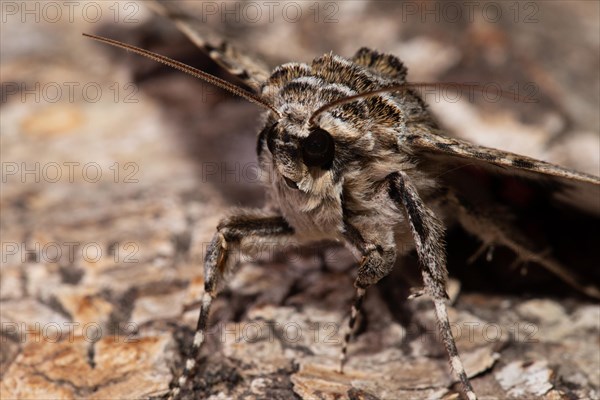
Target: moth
<point>354,156</point>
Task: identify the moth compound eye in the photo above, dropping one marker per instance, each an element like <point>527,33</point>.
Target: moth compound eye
<point>271,144</point>
<point>267,134</point>
<point>318,149</point>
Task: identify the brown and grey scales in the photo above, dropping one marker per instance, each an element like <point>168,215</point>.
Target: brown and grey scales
<point>368,148</point>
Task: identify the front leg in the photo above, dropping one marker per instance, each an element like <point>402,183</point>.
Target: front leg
<point>243,232</point>
<point>428,234</point>
<point>377,261</point>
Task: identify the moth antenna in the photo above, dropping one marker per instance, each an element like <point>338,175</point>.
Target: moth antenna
<point>403,86</point>
<point>223,84</point>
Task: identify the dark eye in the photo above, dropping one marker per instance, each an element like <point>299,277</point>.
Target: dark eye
<point>318,149</point>
<point>267,134</point>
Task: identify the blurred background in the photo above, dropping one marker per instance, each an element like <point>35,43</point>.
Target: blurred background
<point>116,170</point>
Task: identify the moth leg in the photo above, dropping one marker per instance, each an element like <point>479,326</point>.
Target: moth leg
<point>428,234</point>
<point>377,261</point>
<point>354,313</point>
<point>494,231</point>
<point>244,232</point>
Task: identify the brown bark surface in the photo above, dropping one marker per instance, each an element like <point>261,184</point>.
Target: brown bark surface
<point>109,200</point>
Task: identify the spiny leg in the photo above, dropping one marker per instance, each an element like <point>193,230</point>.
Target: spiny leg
<point>428,234</point>
<point>378,260</point>
<point>214,265</point>
<point>354,313</point>
<point>233,233</point>
<point>191,362</point>
<point>441,313</point>
<point>494,231</point>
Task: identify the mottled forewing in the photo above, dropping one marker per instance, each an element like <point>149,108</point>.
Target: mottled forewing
<point>452,158</point>
<point>187,16</point>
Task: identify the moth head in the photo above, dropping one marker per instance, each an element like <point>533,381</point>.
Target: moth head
<point>314,136</point>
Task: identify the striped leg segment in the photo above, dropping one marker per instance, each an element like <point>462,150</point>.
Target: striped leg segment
<point>356,309</point>
<point>248,232</point>
<point>191,364</point>
<point>455,361</point>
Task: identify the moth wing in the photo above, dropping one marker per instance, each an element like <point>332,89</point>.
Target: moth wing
<point>450,158</point>
<point>187,17</point>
